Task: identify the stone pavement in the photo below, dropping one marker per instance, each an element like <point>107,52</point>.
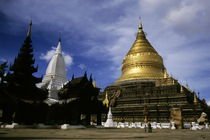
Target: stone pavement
<point>102,134</point>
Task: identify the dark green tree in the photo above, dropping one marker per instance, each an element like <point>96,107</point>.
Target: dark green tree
<point>3,98</point>
<point>6,102</point>
<point>3,81</point>
<point>3,67</point>
<point>21,81</point>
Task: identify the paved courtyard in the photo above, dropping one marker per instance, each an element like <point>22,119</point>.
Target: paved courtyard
<point>97,134</point>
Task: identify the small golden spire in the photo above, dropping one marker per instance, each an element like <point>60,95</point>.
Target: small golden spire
<point>173,82</point>
<point>195,98</point>
<point>181,89</point>
<point>29,29</point>
<point>166,74</point>
<point>106,101</point>
<point>94,83</point>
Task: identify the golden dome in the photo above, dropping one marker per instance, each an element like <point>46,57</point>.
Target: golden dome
<point>142,61</point>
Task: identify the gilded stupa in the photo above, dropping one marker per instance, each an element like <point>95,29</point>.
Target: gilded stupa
<point>142,60</point>
<point>145,92</point>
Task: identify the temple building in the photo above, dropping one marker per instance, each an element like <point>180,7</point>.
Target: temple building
<point>145,91</point>
<point>80,96</point>
<point>55,76</point>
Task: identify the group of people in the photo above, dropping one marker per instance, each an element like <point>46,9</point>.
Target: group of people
<point>148,128</point>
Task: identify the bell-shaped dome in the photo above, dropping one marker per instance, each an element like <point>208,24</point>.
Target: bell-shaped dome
<point>56,71</point>
<point>142,61</point>
<point>57,64</point>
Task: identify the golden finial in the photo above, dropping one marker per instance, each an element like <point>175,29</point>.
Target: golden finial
<point>29,29</point>
<point>140,24</point>
<point>106,101</point>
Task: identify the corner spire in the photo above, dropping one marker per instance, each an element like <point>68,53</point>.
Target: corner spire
<point>106,101</point>
<point>29,29</point>
<point>195,98</point>
<point>94,83</point>
<point>91,79</point>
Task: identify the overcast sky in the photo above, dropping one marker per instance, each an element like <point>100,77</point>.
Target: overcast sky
<point>97,34</point>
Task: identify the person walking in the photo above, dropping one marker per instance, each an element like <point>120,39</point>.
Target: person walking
<point>149,128</point>
<point>145,127</point>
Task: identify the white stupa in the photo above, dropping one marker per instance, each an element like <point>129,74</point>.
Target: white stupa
<point>55,74</point>
<point>109,122</point>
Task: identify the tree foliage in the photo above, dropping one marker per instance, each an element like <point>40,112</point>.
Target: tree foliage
<point>21,80</point>
<point>3,67</point>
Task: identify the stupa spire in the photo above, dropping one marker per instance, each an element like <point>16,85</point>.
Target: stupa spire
<point>57,64</point>
<point>29,29</point>
<point>141,34</point>
<point>58,49</point>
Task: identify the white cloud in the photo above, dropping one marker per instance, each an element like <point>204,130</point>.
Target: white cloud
<point>184,15</point>
<point>208,102</point>
<point>82,66</point>
<point>189,18</point>
<point>68,59</point>
<point>151,5</point>
<point>3,60</point>
<point>49,54</point>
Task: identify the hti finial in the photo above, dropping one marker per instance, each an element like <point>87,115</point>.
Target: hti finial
<point>30,23</point>
<point>140,19</point>
<point>59,37</point>
<point>29,29</point>
<point>140,23</point>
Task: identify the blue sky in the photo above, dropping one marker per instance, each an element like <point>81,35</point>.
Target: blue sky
<point>96,35</point>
